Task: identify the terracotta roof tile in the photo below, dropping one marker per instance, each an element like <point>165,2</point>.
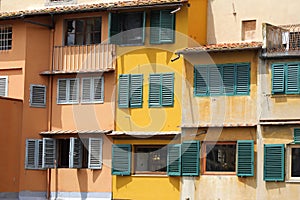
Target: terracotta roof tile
<point>88,7</point>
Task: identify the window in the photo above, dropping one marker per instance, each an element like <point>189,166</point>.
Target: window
<point>37,95</point>
<point>130,91</point>
<point>248,29</point>
<point>274,162</point>
<point>67,91</point>
<point>3,86</point>
<point>83,31</point>
<point>161,90</point>
<point>162,24</point>
<point>293,158</point>
<point>294,40</point>
<point>219,158</point>
<point>227,79</point>
<point>92,90</point>
<point>5,37</point>
<point>64,153</point>
<point>127,28</point>
<point>285,78</point>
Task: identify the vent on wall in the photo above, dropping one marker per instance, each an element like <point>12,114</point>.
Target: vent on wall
<point>37,95</point>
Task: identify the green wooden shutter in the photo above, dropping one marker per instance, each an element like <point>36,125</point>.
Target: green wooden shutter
<point>114,28</point>
<point>155,27</point>
<point>215,80</point>
<point>75,158</point>
<point>174,160</point>
<point>155,90</point>
<point>136,90</point>
<point>292,79</point>
<point>167,23</point>
<point>201,81</point>
<point>297,135</point>
<point>274,162</point>
<point>167,89</point>
<point>124,84</point>
<point>245,158</point>
<point>49,153</point>
<point>190,158</point>
<point>278,78</point>
<point>95,153</point>
<point>228,79</point>
<point>242,79</point>
<point>121,159</point>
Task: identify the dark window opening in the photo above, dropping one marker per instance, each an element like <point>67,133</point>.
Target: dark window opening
<point>63,154</point>
<point>295,162</point>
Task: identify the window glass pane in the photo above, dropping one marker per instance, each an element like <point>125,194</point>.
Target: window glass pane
<point>220,157</point>
<point>70,32</point>
<point>132,21</point>
<point>295,162</point>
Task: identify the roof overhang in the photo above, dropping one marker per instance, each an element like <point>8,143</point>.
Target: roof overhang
<point>144,134</point>
<point>74,132</point>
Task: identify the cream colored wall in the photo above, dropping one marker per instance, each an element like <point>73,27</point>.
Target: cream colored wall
<point>225,26</point>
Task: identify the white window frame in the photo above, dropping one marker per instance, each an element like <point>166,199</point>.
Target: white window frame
<point>288,156</point>
<point>68,91</point>
<point>43,105</point>
<point>92,89</point>
<point>6,85</point>
<point>60,2</point>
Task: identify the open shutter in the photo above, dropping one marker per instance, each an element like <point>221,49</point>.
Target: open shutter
<point>278,78</point>
<point>228,79</point>
<point>30,156</point>
<point>3,86</point>
<point>124,84</point>
<point>245,158</point>
<point>86,90</point>
<point>40,154</point>
<point>75,159</point>
<point>121,159</point>
<point>49,153</point>
<point>37,95</point>
<point>167,26</point>
<point>297,135</point>
<point>215,80</point>
<point>95,153</point>
<point>155,27</point>
<point>242,79</point>
<point>98,84</point>
<point>73,90</point>
<point>114,28</point>
<point>274,162</point>
<point>61,91</point>
<point>292,79</point>
<point>201,81</point>
<point>174,160</point>
<point>155,90</point>
<point>167,90</point>
<point>190,158</point>
<point>136,90</point>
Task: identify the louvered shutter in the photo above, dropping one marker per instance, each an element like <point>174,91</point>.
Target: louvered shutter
<point>49,153</point>
<point>75,158</point>
<point>155,27</point>
<point>297,135</point>
<point>215,80</point>
<point>124,85</point>
<point>292,79</point>
<point>228,79</point>
<point>154,90</point>
<point>98,84</point>
<point>121,159</point>
<point>30,156</point>
<point>201,81</point>
<point>40,154</point>
<point>114,28</point>
<point>274,162</point>
<point>3,86</point>
<point>73,90</point>
<point>174,160</point>
<point>136,90</point>
<point>37,95</point>
<point>86,90</point>
<point>242,79</point>
<point>167,26</point>
<point>167,90</point>
<point>95,153</point>
<point>245,158</point>
<point>190,158</point>
<point>278,78</point>
<point>61,90</point>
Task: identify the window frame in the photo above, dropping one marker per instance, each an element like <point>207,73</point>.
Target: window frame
<point>6,43</point>
<point>288,157</point>
<point>92,90</point>
<point>67,101</point>
<point>36,105</point>
<point>37,154</point>
<point>6,85</point>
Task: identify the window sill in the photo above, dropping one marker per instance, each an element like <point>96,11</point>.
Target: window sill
<point>293,180</point>
<point>149,175</point>
<point>219,173</point>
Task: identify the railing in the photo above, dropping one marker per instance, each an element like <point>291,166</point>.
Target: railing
<point>84,58</point>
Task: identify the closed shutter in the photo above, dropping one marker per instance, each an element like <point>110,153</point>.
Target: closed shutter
<point>292,79</point>
<point>136,90</point>
<point>49,153</point>
<point>62,91</point>
<point>98,84</point>
<point>114,28</point>
<point>167,90</point>
<point>201,81</point>
<point>245,158</point>
<point>174,160</point>
<point>30,156</point>
<point>242,79</point>
<point>215,80</point>
<point>75,159</point>
<point>37,95</point>
<point>121,159</point>
<point>86,90</point>
<point>95,153</point>
<point>154,90</point>
<point>274,162</point>
<point>167,26</point>
<point>73,90</point>
<point>297,135</point>
<point>124,84</point>
<point>155,27</point>
<point>3,86</point>
<point>278,78</point>
<point>40,154</point>
<point>228,79</point>
<point>190,158</point>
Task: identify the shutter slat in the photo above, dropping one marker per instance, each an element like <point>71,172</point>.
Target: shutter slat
<point>124,81</point>
<point>228,80</point>
<point>201,80</point>
<point>155,27</point>
<point>121,159</point>
<point>167,26</point>
<point>49,153</point>
<point>292,79</point>
<point>190,158</point>
<point>242,79</point>
<point>297,135</point>
<point>95,153</point>
<point>75,160</point>
<point>73,90</point>
<point>30,156</point>
<point>174,160</point>
<point>277,78</point>
<point>3,86</point>
<point>61,91</point>
<point>245,158</point>
<point>136,90</point>
<point>274,162</point>
<point>167,93</point>
<point>215,80</point>
<point>98,84</point>
<point>155,90</point>
<point>38,95</point>
<point>86,93</point>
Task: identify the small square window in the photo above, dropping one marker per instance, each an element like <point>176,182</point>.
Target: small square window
<point>5,37</point>
<point>248,29</point>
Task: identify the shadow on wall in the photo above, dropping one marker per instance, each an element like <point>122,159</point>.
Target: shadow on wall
<point>211,36</point>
